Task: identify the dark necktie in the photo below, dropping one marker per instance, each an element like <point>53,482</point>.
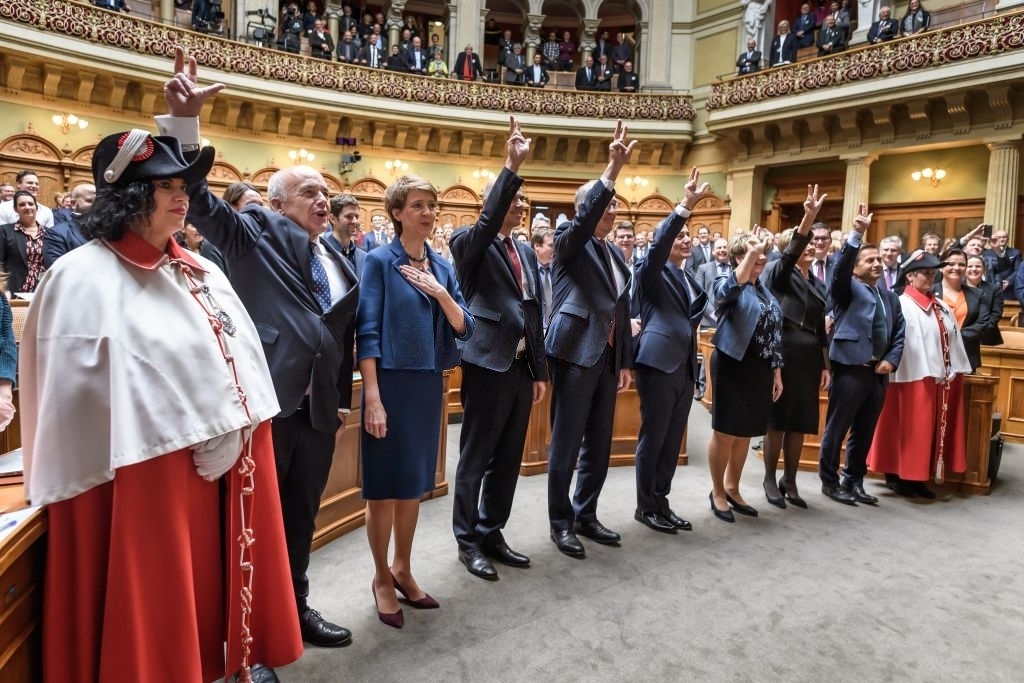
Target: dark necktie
<point>820,270</point>
<point>321,286</point>
<point>888,278</point>
<point>517,266</point>
<point>545,291</point>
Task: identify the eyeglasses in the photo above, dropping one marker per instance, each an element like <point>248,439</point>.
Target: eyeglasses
<point>819,238</point>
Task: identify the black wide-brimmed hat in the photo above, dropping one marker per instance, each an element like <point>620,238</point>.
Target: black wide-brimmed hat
<point>919,260</point>
<point>135,155</point>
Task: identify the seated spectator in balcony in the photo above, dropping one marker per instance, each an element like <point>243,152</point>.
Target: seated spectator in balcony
<point>505,44</point>
<point>831,38</point>
<point>467,65</point>
<point>628,80</point>
<point>604,74</point>
<point>803,27</point>
<point>122,6</point>
<point>321,44</point>
<point>515,66</point>
<point>566,51</point>
<point>550,50</point>
<point>416,58</point>
<point>885,29</point>
<point>840,11</point>
<point>537,75</point>
<point>396,61</point>
<point>916,20</point>
<point>372,55</point>
<point>68,234</point>
<point>621,53</point>
<point>348,51</point>
<point>750,61</point>
<point>241,194</point>
<point>783,49</point>
<point>438,67</point>
<point>586,75</point>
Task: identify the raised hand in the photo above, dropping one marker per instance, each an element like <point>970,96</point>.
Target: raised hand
<point>183,95</point>
<point>814,202</point>
<point>518,146</point>
<point>619,150</point>
<point>693,193</point>
<point>863,219</point>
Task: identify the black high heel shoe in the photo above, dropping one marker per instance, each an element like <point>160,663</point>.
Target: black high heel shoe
<point>795,499</point>
<point>724,515</point>
<point>743,509</point>
<point>779,502</point>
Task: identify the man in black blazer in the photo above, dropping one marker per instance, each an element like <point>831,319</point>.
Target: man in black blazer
<point>586,75</point>
<point>831,38</point>
<point>344,228</point>
<point>67,234</point>
<point>783,50</point>
<point>503,366</point>
<point>604,74</point>
<point>867,345</point>
<point>590,353</point>
<point>671,305</point>
<point>750,61</point>
<point>278,265</point>
<point>537,75</point>
<point>371,54</point>
<point>416,58</point>
<point>1006,259</point>
<point>467,65</point>
<point>885,29</point>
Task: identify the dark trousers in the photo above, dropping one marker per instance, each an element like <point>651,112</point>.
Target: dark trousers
<point>303,456</point>
<point>582,411</point>
<point>665,400</point>
<point>854,403</point>
<point>496,414</point>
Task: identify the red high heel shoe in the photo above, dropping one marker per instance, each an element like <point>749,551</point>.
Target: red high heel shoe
<point>395,619</point>
<point>426,602</point>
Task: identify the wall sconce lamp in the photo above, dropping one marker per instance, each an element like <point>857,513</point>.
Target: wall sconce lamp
<point>395,167</point>
<point>932,175</point>
<point>301,156</point>
<point>66,121</point>
<point>483,175</point>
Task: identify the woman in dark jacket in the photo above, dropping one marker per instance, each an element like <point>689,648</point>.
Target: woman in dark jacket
<point>21,246</point>
<point>805,372</point>
<point>976,267</point>
<point>971,307</point>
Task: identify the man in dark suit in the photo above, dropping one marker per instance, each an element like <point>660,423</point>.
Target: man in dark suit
<point>823,266</point>
<point>515,66</point>
<point>804,25</point>
<point>590,353</point>
<point>604,74</point>
<point>671,304</point>
<point>885,29</point>
<point>467,65</point>
<point>831,38</point>
<point>348,51</point>
<point>67,234</point>
<point>371,54</point>
<point>503,367</point>
<point>750,61</point>
<point>628,79</point>
<point>543,244</point>
<point>706,274</point>
<point>416,58</point>
<point>378,236</point>
<point>302,295</point>
<point>603,48</point>
<point>867,345</point>
<point>890,248</point>
<point>783,50</point>
<point>1006,259</point>
<point>321,43</point>
<point>701,251</point>
<point>537,75</point>
<point>344,228</point>
<point>586,75</point>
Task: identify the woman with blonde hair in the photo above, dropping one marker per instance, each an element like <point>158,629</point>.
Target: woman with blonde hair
<point>410,314</point>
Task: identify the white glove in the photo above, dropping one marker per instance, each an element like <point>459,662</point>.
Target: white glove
<point>6,412</point>
<point>215,457</point>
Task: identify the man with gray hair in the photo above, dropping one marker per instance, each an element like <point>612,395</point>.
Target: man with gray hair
<point>590,354</point>
<point>885,29</point>
<point>890,249</point>
<point>67,234</point>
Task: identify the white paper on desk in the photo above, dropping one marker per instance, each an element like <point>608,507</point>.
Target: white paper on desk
<point>10,521</point>
<point>11,463</point>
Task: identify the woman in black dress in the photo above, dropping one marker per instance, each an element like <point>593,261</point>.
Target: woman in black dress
<point>804,354</point>
<point>410,313</point>
<point>746,371</point>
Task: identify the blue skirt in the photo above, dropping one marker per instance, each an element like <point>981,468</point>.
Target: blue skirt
<point>402,464</point>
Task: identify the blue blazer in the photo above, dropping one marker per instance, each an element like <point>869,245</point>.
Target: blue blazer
<point>668,315</point>
<point>853,304</point>
<point>738,308</point>
<point>394,320</point>
<point>62,238</point>
<point>370,241</point>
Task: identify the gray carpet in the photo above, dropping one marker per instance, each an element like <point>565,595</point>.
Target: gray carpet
<point>904,591</point>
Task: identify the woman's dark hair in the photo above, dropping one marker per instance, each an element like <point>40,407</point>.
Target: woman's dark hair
<point>952,251</point>
<point>117,207</point>
<point>23,193</point>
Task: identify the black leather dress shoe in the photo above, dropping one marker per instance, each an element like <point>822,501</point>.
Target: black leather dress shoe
<point>502,553</point>
<point>674,519</point>
<point>596,531</point>
<point>838,495</point>
<point>260,674</point>
<point>654,521</point>
<point>566,541</point>
<point>742,508</point>
<point>318,631</point>
<point>858,493</point>
<point>478,564</point>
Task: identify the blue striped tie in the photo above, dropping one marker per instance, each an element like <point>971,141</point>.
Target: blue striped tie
<point>321,286</point>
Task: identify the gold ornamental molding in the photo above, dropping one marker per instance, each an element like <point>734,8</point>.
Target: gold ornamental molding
<point>986,38</point>
<point>134,35</point>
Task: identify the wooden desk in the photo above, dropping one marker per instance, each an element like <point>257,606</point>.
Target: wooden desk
<point>22,557</point>
<point>1006,364</point>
